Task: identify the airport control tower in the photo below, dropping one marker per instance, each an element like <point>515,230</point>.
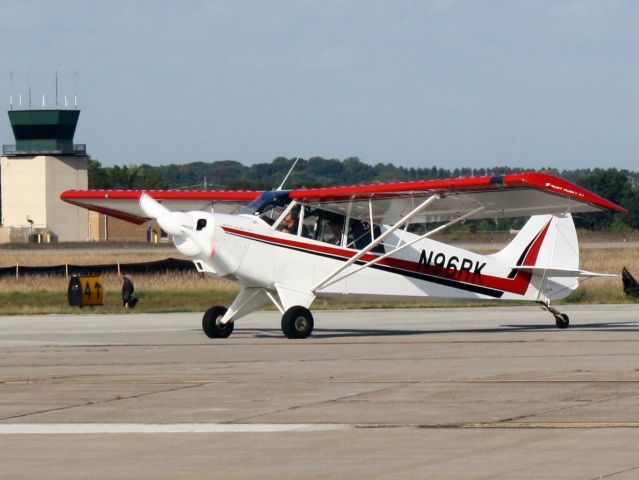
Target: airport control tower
<point>42,164</point>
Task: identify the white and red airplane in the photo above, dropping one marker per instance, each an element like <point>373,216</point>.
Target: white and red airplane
<point>293,246</point>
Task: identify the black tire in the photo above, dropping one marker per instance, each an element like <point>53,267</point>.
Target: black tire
<point>297,322</point>
<point>562,320</point>
<point>211,325</point>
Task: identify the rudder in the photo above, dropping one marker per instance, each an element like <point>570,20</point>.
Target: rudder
<point>558,249</point>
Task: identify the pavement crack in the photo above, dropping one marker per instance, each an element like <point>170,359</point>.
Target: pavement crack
<point>338,399</point>
<point>567,407</point>
<point>530,415</point>
<point>100,402</point>
<point>618,472</point>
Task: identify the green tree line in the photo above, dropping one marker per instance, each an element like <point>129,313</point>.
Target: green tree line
<point>618,186</point>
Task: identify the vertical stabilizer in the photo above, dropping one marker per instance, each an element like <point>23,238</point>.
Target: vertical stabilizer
<point>547,245</point>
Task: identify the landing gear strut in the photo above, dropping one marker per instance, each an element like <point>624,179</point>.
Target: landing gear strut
<point>212,326</point>
<point>297,322</point>
<point>561,319</point>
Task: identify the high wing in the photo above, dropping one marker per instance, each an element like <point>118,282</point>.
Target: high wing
<point>125,204</point>
<point>516,195</point>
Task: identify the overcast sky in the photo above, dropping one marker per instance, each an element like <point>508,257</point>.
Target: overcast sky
<point>415,83</point>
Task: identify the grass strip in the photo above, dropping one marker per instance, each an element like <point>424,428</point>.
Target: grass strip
<point>162,301</point>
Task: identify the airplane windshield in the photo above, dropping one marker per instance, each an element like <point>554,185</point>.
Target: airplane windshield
<point>268,206</point>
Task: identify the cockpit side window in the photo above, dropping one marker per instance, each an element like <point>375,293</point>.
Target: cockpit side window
<point>359,235</point>
<point>323,225</point>
<point>318,224</point>
<point>332,227</point>
<point>309,224</point>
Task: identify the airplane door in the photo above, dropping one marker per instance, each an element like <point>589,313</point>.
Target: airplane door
<point>294,268</point>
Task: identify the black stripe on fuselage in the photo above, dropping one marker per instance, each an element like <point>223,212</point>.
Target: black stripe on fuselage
<point>448,282</point>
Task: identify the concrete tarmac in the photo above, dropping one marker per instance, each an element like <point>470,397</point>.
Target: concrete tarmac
<point>433,393</point>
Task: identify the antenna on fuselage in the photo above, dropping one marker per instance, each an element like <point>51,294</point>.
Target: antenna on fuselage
<point>288,174</point>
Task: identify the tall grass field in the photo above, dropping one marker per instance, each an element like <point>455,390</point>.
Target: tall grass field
<point>170,292</point>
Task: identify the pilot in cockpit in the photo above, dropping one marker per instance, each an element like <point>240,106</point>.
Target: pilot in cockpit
<point>290,223</point>
<point>335,235</point>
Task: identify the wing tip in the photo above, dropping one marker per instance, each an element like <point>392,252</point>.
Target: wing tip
<point>559,186</point>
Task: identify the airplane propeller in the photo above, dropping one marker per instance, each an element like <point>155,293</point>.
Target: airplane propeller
<point>173,223</point>
<point>151,207</point>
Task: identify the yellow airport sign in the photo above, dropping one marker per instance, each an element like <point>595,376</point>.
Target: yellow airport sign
<point>86,290</point>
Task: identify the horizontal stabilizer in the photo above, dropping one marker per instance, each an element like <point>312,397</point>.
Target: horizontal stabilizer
<point>562,272</point>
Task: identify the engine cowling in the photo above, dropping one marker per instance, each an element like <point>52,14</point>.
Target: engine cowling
<point>193,235</point>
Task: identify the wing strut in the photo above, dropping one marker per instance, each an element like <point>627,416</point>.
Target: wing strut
<point>377,241</point>
<point>397,249</point>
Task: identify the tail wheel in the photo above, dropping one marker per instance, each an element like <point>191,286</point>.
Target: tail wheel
<point>297,322</point>
<point>212,326</point>
<point>562,320</point>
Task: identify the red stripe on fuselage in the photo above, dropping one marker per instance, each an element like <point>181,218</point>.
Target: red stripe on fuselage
<point>517,285</point>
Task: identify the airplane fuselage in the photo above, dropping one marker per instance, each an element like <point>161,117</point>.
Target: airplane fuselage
<point>258,256</point>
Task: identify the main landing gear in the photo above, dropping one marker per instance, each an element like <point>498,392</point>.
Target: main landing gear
<point>212,326</point>
<point>297,322</point>
<point>561,319</point>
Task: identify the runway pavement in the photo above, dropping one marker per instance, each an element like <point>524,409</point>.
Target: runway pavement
<point>434,393</point>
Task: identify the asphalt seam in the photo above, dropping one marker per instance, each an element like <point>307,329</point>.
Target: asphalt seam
<point>615,473</point>
<point>68,380</point>
<point>313,404</point>
<point>99,402</point>
<point>578,404</point>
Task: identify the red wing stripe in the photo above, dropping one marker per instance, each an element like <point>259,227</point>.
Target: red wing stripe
<point>537,181</point>
<point>186,195</point>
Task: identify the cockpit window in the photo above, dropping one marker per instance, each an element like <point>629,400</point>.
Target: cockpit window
<point>268,206</point>
<point>359,236</point>
<point>324,226</point>
<point>318,224</point>
<point>330,227</point>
